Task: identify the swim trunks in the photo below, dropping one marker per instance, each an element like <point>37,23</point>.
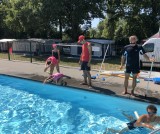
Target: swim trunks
<point>84,66</point>
<point>131,125</point>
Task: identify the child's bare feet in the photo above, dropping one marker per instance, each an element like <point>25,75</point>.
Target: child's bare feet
<point>83,83</point>
<point>89,86</point>
<point>124,93</point>
<point>132,93</point>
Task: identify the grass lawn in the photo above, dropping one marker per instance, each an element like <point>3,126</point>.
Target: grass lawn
<point>112,63</point>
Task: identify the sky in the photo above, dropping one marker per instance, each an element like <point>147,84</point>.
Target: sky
<point>95,22</point>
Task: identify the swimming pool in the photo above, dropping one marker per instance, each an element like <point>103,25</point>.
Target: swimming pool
<point>31,107</point>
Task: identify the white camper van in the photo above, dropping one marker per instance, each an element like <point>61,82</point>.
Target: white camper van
<point>152,47</point>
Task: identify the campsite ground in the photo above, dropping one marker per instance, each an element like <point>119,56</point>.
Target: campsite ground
<point>110,85</point>
<point>111,63</point>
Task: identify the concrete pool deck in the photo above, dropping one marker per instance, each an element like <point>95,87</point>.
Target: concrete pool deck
<point>111,85</point>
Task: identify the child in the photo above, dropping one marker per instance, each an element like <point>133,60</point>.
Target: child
<point>57,78</point>
<point>51,62</point>
<point>56,54</point>
<point>148,120</point>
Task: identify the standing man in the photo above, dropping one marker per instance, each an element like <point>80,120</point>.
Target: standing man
<point>130,57</point>
<point>85,60</point>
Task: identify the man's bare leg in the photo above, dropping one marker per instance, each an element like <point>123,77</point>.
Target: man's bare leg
<point>85,77</point>
<point>134,83</point>
<point>126,83</point>
<point>89,78</point>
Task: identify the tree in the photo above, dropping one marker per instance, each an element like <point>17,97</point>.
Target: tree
<point>73,13</point>
<point>140,16</point>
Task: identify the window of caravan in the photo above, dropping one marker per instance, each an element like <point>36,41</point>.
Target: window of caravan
<point>149,47</point>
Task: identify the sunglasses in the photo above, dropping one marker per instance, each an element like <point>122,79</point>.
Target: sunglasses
<point>151,113</point>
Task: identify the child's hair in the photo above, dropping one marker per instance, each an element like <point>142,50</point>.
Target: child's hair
<point>152,107</point>
<point>48,62</point>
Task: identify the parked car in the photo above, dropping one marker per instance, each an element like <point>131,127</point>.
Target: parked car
<point>152,47</point>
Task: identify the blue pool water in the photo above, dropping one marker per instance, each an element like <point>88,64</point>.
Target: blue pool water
<point>28,107</point>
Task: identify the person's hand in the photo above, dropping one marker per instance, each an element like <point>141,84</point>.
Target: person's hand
<point>80,62</point>
<point>149,126</point>
<point>89,64</point>
<point>44,82</point>
<point>152,59</point>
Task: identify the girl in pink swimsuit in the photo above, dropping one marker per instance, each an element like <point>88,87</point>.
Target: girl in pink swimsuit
<point>57,78</point>
<point>51,62</point>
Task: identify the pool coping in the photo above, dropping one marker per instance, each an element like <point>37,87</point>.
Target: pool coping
<point>95,90</point>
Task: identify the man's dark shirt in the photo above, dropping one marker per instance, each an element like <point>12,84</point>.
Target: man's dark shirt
<point>131,54</point>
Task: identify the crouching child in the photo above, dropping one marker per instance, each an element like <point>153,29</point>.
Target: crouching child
<point>57,79</point>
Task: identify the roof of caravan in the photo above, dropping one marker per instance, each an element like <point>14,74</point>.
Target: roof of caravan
<point>7,40</point>
<point>50,41</point>
<point>44,40</point>
<point>101,41</point>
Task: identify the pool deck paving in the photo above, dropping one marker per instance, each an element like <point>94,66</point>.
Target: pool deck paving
<point>109,85</point>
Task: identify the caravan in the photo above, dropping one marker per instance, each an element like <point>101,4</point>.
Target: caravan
<point>152,47</point>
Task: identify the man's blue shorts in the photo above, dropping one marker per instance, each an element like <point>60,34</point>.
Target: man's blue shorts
<point>132,70</point>
<point>84,66</point>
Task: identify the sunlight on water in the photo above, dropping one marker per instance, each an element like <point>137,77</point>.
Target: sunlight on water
<point>23,112</point>
<point>30,114</point>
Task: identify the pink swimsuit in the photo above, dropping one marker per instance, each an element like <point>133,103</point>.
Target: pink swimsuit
<point>53,60</point>
<point>57,76</point>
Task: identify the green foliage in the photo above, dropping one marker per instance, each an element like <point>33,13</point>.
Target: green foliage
<point>128,17</point>
<point>55,18</point>
<point>92,32</point>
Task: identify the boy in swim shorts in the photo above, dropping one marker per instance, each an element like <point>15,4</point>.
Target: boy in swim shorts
<point>148,120</point>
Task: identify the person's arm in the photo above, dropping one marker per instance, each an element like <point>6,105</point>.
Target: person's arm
<point>143,52</point>
<point>46,67</point>
<point>157,120</point>
<point>122,61</point>
<point>80,60</point>
<point>123,57</point>
<point>49,79</point>
<point>147,58</point>
<point>52,52</point>
<point>67,76</point>
<point>139,122</point>
<point>46,64</point>
<point>90,53</point>
<point>46,80</point>
<point>58,55</point>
